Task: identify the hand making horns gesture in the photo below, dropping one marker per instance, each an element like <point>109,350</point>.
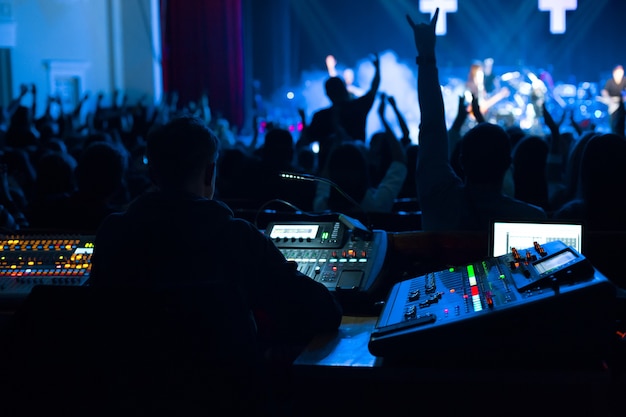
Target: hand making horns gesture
<point>424,35</point>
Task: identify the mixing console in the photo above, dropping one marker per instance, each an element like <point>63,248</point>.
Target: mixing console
<point>26,261</point>
<point>546,301</point>
<point>347,261</point>
<point>329,253</point>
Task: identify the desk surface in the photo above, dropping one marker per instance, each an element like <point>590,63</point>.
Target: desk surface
<point>346,353</point>
<point>345,348</point>
<point>336,374</point>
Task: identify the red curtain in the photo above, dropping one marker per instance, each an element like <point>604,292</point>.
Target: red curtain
<point>203,53</point>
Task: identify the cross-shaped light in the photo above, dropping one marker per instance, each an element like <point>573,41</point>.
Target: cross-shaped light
<point>557,10</point>
<point>445,6</point>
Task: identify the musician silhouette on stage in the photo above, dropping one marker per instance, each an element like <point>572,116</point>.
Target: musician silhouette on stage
<point>613,93</point>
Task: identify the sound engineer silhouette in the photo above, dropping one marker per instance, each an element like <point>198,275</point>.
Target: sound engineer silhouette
<point>178,235</point>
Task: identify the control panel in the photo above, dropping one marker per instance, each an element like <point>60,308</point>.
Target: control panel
<point>346,261</point>
<point>547,298</point>
<point>29,260</point>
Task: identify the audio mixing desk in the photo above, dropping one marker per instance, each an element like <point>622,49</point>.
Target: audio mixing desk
<point>29,260</point>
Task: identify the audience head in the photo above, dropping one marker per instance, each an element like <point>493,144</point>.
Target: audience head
<point>101,170</point>
<point>485,154</point>
<point>182,156</point>
<point>379,155</point>
<point>348,167</point>
<point>603,168</point>
<point>476,76</point>
<point>572,172</point>
<point>306,159</point>
<point>55,174</point>
<point>235,167</point>
<point>530,156</point>
<point>336,90</point>
<point>278,149</point>
<point>515,134</point>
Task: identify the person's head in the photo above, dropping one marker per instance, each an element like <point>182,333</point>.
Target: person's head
<point>55,173</point>
<point>101,170</point>
<point>485,154</point>
<point>21,117</point>
<point>476,73</point>
<point>530,157</point>
<point>618,73</point>
<point>182,156</point>
<point>379,155</point>
<point>603,168</point>
<point>488,65</point>
<point>348,167</point>
<point>278,149</point>
<point>336,90</point>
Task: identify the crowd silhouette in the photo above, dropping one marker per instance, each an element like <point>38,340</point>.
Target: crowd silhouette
<point>68,170</point>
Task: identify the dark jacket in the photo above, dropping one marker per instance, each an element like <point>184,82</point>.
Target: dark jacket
<point>174,240</point>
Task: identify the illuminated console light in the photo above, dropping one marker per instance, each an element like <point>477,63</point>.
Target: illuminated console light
<point>472,281</point>
<point>362,260</point>
<point>476,301</point>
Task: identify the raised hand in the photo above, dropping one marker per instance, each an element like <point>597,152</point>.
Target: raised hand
<point>424,35</point>
<point>477,112</point>
<point>376,61</point>
<point>461,115</point>
<point>331,65</point>
<point>381,106</point>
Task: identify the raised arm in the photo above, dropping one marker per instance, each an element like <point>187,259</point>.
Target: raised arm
<point>433,131</point>
<point>396,148</point>
<point>406,139</point>
<point>376,80</point>
<point>17,101</point>
<point>331,65</point>
<point>381,113</point>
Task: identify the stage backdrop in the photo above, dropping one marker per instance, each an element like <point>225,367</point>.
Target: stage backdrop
<point>221,46</point>
<point>513,32</point>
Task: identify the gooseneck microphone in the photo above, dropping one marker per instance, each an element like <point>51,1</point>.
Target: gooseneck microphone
<point>353,224</point>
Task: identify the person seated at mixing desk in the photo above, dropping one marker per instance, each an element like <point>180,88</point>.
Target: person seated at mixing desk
<point>178,235</point>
